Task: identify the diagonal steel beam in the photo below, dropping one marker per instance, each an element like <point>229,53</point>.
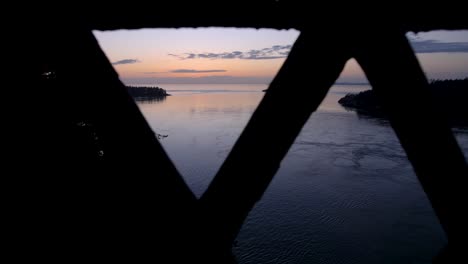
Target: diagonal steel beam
<point>128,140</point>
<point>396,76</point>
<point>137,189</point>
<point>310,70</point>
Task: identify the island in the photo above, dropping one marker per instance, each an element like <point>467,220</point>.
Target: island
<point>451,97</point>
<point>147,93</point>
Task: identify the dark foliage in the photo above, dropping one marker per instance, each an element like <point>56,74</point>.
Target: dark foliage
<point>143,93</point>
<point>450,98</point>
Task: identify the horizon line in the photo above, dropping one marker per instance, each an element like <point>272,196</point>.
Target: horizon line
<point>338,83</point>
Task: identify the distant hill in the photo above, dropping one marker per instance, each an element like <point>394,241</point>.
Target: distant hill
<point>451,97</point>
<point>144,93</point>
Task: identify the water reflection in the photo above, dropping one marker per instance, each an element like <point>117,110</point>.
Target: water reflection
<point>345,193</point>
<point>377,117</point>
<point>149,100</point>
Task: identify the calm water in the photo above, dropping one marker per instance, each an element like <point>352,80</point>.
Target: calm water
<point>345,193</point>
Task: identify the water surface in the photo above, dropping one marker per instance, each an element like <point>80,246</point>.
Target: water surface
<point>345,193</point>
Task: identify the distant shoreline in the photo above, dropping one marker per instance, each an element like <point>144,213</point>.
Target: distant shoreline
<point>346,83</point>
<point>449,95</point>
<point>266,84</point>
<point>350,84</point>
<point>147,93</point>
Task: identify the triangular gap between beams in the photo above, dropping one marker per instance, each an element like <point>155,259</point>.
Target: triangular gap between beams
<point>216,78</point>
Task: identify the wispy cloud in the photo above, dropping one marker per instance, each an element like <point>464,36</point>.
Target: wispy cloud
<point>435,46</point>
<point>126,61</point>
<point>282,51</point>
<point>273,52</point>
<point>195,71</point>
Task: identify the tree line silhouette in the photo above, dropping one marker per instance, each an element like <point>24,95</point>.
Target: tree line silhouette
<point>147,93</point>
<point>449,97</point>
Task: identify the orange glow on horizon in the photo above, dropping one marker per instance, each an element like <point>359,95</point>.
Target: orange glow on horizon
<point>164,67</point>
<point>246,53</point>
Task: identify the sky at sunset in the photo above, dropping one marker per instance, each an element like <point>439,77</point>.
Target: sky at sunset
<point>229,55</point>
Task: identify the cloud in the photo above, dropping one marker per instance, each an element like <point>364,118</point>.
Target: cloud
<point>126,61</point>
<point>434,46</point>
<point>270,53</point>
<point>282,51</point>
<point>195,71</point>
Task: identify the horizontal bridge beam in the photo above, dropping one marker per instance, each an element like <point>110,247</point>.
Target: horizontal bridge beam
<point>270,14</point>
